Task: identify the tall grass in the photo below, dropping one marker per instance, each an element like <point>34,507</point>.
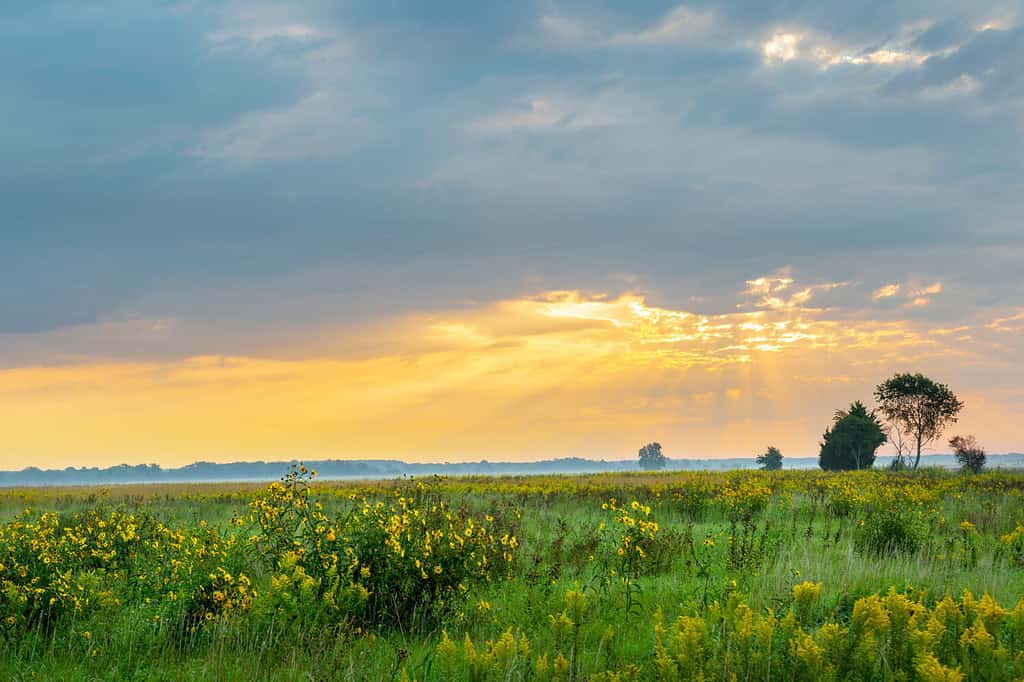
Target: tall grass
<point>718,542</point>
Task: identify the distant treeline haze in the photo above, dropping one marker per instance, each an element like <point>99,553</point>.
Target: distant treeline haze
<point>378,468</point>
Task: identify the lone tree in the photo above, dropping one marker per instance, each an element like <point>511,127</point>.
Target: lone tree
<point>969,454</point>
<point>852,440</point>
<point>770,460</point>
<point>651,457</point>
<point>917,408</point>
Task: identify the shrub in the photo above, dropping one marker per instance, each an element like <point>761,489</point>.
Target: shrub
<point>771,460</point>
<point>391,563</point>
<point>415,553</point>
<point>969,454</point>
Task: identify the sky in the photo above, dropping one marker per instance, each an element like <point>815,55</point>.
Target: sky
<point>447,231</point>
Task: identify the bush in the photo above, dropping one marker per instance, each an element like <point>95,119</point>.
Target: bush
<point>394,562</point>
<point>969,454</point>
<point>416,552</point>
<point>888,532</point>
<point>771,460</point>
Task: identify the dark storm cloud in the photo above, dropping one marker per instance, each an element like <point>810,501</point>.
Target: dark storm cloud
<point>466,150</point>
<point>949,33</point>
<point>992,59</point>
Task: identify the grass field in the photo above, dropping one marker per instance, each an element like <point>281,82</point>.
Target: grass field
<point>735,575</point>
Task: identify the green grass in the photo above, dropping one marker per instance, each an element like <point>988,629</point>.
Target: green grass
<point>561,549</point>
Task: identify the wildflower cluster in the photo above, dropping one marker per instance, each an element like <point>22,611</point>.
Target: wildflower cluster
<point>55,567</point>
<point>416,551</point>
<point>745,496</point>
<point>843,496</point>
<point>889,636</point>
<point>1013,543</point>
<point>386,560</point>
<point>693,496</point>
<point>634,531</point>
<point>493,659</point>
<point>631,537</point>
<point>511,656</point>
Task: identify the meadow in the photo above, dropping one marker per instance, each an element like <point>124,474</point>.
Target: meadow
<point>790,575</point>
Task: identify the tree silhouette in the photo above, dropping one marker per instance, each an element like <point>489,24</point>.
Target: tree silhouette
<point>651,457</point>
<point>771,460</point>
<point>969,454</point>
<point>852,440</point>
<point>917,407</point>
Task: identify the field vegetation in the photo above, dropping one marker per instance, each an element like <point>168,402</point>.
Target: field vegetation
<point>789,575</point>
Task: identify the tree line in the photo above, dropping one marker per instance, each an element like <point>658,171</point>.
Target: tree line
<point>913,411</point>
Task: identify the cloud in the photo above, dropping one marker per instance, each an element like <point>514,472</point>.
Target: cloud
<point>951,330</point>
<point>910,45</point>
<point>564,31</point>
<point>802,43</point>
<point>680,25</point>
<point>887,291</point>
<point>921,296</point>
<point>540,114</point>
<point>987,63</point>
<point>768,288</point>
<point>324,166</point>
<point>769,284</point>
<point>256,22</point>
<point>325,121</point>
<point>299,32</point>
<point>927,290</point>
<point>915,294</point>
<point>781,47</point>
<point>554,373</point>
<point>321,124</point>
<point>1005,324</point>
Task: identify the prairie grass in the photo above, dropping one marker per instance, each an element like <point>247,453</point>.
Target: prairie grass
<point>612,576</point>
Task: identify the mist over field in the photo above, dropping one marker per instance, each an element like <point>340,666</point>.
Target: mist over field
<point>382,469</point>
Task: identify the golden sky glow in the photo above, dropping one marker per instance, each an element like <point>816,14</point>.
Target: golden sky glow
<point>556,374</point>
<point>255,229</point>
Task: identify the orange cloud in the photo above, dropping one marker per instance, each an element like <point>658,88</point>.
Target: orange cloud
<point>1006,324</point>
<point>888,291</point>
<point>769,290</point>
<point>560,373</point>
<point>934,288</point>
<point>917,296</point>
